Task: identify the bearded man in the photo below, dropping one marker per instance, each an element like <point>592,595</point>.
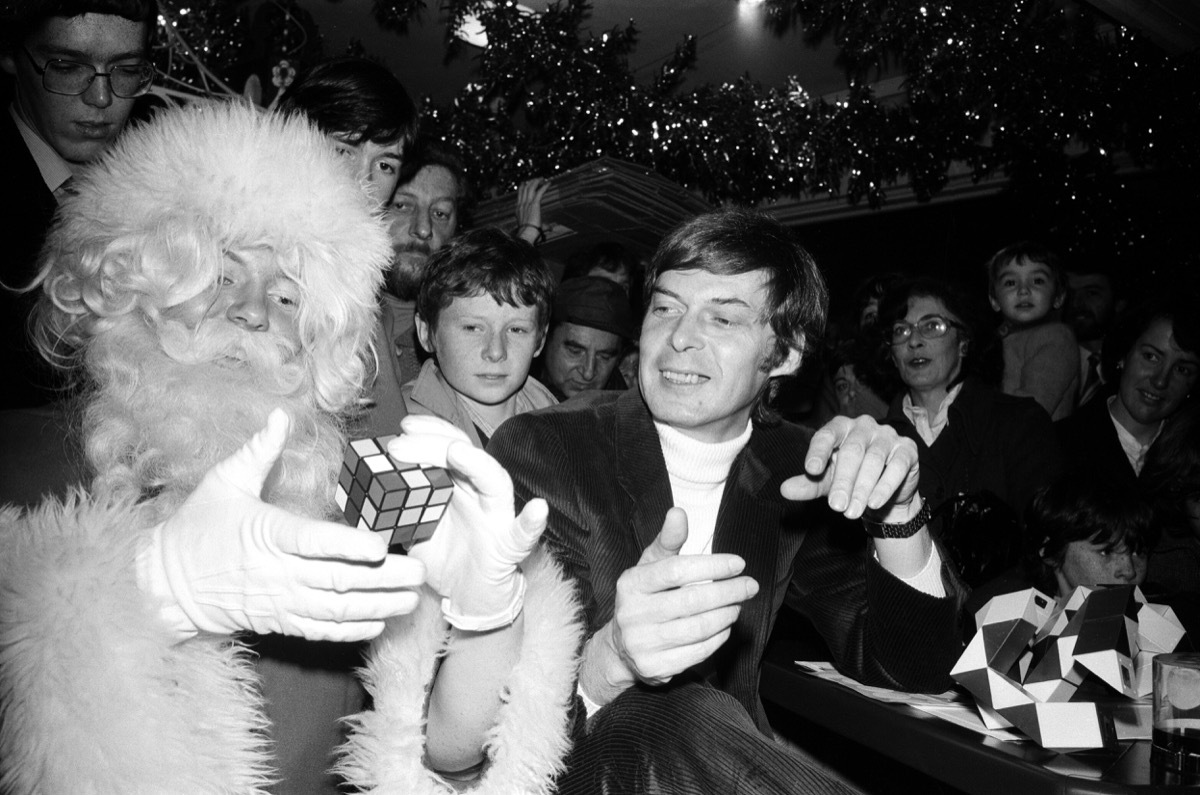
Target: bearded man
<point>212,281</point>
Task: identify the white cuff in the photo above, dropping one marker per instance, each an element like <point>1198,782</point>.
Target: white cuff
<point>152,581</point>
<point>502,618</point>
<point>929,579</point>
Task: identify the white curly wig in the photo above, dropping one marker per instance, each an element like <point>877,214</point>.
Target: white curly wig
<point>148,225</point>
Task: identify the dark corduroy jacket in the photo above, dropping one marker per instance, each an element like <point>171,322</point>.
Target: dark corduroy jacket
<point>597,461</point>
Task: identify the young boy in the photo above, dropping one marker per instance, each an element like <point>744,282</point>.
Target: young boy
<point>1041,359</point>
<point>482,311</point>
<point>1081,531</point>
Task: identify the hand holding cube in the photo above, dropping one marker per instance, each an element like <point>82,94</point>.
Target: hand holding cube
<point>399,501</point>
<point>226,561</point>
<point>473,558</point>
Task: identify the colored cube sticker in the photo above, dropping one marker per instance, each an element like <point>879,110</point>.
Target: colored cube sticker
<point>399,500</point>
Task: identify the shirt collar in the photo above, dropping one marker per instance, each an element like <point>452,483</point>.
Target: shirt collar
<point>930,427</point>
<point>55,171</point>
<point>1134,450</point>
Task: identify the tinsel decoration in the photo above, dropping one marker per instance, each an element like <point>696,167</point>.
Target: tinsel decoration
<point>1002,87</point>
<point>396,14</point>
<point>1063,102</point>
<point>210,47</point>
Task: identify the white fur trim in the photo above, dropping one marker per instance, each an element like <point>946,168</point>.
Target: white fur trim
<point>529,744</point>
<point>147,225</point>
<point>94,696</point>
<point>227,172</point>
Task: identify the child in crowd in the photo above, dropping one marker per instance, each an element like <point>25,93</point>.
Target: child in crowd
<point>1083,531</point>
<point>1041,358</point>
<point>1090,533</point>
<point>482,312</point>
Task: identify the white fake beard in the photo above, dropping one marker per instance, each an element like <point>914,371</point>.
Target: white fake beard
<point>172,402</point>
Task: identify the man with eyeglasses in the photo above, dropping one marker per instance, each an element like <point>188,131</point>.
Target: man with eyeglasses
<point>73,72</point>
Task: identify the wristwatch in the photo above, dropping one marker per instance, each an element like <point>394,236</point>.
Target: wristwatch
<point>907,530</point>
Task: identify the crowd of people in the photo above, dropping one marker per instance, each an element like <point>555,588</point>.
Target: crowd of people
<point>1053,405</point>
<point>205,306</point>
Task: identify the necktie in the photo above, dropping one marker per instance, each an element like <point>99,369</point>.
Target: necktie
<point>1092,382</point>
<point>63,190</point>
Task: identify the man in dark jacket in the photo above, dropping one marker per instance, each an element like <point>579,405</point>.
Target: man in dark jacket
<point>684,521</point>
<point>75,76</point>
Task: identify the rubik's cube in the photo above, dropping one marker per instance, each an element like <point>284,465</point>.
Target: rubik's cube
<point>400,501</point>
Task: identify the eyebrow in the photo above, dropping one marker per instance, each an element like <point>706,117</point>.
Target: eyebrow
<point>66,53</point>
<point>1009,270</point>
<point>733,301</point>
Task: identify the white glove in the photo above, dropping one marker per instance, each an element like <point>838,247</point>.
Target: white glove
<point>226,561</point>
<point>472,559</point>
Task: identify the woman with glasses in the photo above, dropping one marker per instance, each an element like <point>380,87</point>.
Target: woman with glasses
<point>983,453</point>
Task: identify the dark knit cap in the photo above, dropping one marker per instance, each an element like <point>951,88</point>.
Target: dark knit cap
<point>597,303</point>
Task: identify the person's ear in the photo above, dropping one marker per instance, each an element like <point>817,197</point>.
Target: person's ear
<point>995,304</point>
<point>8,64</point>
<point>790,364</point>
<point>541,343</point>
<point>1059,299</point>
<point>963,347</point>
<point>424,335</point>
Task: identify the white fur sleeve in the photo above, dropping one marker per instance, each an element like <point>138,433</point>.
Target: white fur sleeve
<point>95,693</point>
<point>529,744</point>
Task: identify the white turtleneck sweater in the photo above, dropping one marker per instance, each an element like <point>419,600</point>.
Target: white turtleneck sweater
<point>698,471</point>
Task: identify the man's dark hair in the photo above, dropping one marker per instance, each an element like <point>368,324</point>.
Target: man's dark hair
<point>1080,507</point>
<point>486,262</point>
<point>735,241</point>
<point>26,17</point>
<point>427,151</point>
<point>356,97</point>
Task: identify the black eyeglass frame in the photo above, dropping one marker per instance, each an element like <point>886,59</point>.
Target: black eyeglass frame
<point>912,328</point>
<point>148,70</point>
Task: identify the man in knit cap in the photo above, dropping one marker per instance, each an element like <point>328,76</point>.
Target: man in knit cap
<point>590,328</point>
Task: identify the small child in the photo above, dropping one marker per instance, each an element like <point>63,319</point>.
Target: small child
<point>482,312</point>
<point>1081,531</point>
<point>1090,533</point>
<point>1041,358</point>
